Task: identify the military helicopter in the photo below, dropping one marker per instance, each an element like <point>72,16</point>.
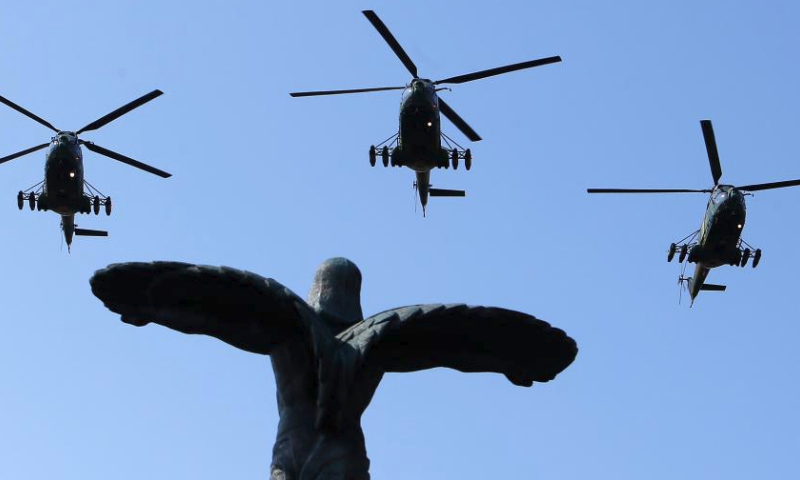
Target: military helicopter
<point>718,241</point>
<point>62,189</point>
<point>418,143</point>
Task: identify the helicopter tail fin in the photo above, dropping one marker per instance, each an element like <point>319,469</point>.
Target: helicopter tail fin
<point>710,287</point>
<point>441,192</point>
<point>90,233</point>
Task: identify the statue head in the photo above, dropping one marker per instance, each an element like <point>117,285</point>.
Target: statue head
<point>336,293</point>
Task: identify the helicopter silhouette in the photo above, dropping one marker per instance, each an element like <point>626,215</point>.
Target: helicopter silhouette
<point>64,189</point>
<point>418,142</point>
<point>719,240</point>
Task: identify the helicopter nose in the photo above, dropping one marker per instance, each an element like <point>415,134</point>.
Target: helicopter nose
<point>735,203</point>
<point>65,152</point>
<point>734,209</point>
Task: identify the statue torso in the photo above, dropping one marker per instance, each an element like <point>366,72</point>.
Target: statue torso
<point>320,403</point>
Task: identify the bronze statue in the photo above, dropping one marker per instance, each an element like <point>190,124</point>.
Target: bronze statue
<point>328,360</point>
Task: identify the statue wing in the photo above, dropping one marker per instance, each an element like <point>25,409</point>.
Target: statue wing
<point>241,308</point>
<point>465,338</point>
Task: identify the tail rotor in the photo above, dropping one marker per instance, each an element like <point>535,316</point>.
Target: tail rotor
<point>683,283</point>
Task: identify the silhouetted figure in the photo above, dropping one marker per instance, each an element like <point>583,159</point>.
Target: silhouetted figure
<point>327,359</point>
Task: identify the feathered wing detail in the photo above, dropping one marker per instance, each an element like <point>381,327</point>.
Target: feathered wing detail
<point>240,308</point>
<point>465,338</point>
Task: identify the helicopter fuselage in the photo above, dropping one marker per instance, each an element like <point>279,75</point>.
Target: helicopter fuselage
<point>63,175</point>
<point>419,142</point>
<point>62,191</point>
<point>719,234</point>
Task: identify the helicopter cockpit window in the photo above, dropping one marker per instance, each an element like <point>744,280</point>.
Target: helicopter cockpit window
<point>719,196</point>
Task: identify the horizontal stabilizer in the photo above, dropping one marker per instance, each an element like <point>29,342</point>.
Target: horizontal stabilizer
<point>441,192</point>
<point>710,287</point>
<point>90,233</point>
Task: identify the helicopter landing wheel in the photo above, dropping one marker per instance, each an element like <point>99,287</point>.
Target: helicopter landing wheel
<point>756,257</point>
<point>32,201</point>
<point>468,159</point>
<point>373,158</point>
<point>671,254</point>
<point>684,252</point>
<point>745,257</point>
<point>20,200</point>
<point>108,205</point>
<point>385,156</point>
<point>96,205</point>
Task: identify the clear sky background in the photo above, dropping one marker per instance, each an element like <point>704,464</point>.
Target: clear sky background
<point>276,185</point>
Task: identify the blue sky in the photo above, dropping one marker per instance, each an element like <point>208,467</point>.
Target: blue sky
<point>276,185</point>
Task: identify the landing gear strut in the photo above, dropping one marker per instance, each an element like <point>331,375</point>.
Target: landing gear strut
<point>683,246</point>
<point>746,249</point>
<point>93,200</point>
<point>457,152</point>
<point>32,195</point>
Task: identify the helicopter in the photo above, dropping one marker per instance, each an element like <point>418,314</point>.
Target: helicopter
<point>418,142</point>
<point>719,240</point>
<point>64,189</point>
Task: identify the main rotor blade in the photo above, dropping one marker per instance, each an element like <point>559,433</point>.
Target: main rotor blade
<point>127,160</point>
<point>468,77</point>
<point>102,121</point>
<point>28,114</point>
<point>458,121</point>
<point>645,190</point>
<point>711,148</point>
<point>339,92</point>
<point>769,186</point>
<point>24,152</point>
<point>393,43</point>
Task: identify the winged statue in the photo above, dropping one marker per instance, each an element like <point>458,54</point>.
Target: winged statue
<point>327,358</point>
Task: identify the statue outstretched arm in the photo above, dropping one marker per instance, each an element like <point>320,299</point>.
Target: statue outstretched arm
<point>465,338</point>
<point>240,308</point>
